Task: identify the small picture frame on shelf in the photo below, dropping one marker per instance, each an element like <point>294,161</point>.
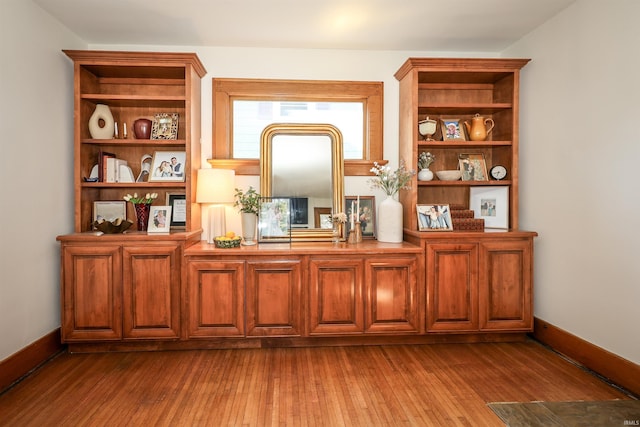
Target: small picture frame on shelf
<point>109,210</point>
<point>491,204</point>
<point>159,221</point>
<point>473,167</point>
<point>434,217</point>
<point>168,166</point>
<point>178,203</point>
<point>366,214</point>
<point>165,126</point>
<point>274,219</point>
<point>452,129</point>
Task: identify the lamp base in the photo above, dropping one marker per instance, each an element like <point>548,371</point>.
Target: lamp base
<point>217,222</point>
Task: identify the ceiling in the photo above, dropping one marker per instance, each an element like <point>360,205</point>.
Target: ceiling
<point>408,25</point>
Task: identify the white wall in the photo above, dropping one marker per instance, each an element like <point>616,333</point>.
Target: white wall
<point>36,136</point>
<point>579,154</point>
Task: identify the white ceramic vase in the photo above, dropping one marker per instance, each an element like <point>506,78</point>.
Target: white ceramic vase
<point>390,221</point>
<point>425,175</point>
<point>249,222</point>
<point>102,112</point>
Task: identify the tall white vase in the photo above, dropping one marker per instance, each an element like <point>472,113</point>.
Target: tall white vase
<point>102,112</point>
<point>249,222</point>
<point>390,221</point>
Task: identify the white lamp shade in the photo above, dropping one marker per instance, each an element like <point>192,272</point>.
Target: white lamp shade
<point>215,186</point>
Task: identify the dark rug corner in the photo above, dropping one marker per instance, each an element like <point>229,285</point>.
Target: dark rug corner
<point>583,413</point>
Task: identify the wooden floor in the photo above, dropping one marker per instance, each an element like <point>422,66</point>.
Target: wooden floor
<point>414,385</point>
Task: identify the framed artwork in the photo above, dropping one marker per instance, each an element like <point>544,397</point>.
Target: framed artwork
<point>491,204</point>
<point>165,126</point>
<point>109,211</point>
<point>452,130</point>
<point>178,203</point>
<point>473,167</point>
<point>168,166</point>
<point>299,210</point>
<point>322,218</point>
<point>434,218</point>
<point>366,213</point>
<point>274,219</point>
<point>159,219</point>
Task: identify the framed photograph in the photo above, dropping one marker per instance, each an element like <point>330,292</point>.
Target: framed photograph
<point>366,213</point>
<point>473,167</point>
<point>168,166</point>
<point>165,126</point>
<point>491,204</point>
<point>274,219</point>
<point>452,130</point>
<point>322,218</point>
<point>109,211</point>
<point>159,219</point>
<point>178,203</point>
<point>299,211</point>
<point>434,218</point>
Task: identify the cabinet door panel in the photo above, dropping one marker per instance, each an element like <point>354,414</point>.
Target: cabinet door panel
<point>216,298</point>
<point>452,287</point>
<point>151,292</point>
<point>273,298</point>
<point>91,293</point>
<point>336,301</point>
<point>505,286</point>
<point>391,295</point>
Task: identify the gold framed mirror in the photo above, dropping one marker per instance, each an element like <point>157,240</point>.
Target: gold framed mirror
<point>304,162</point>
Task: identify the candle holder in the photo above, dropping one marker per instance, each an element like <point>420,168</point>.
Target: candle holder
<point>352,237</point>
<point>358,232</point>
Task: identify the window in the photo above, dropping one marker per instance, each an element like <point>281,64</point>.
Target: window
<point>242,108</point>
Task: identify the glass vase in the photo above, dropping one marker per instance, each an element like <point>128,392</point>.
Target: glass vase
<point>142,215</point>
<point>335,233</point>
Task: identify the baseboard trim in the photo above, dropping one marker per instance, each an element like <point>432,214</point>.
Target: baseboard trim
<point>619,371</point>
<point>26,360</point>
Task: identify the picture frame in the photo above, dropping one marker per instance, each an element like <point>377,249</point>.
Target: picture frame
<point>165,126</point>
<point>168,166</point>
<point>434,217</point>
<point>159,219</point>
<point>178,203</point>
<point>452,129</point>
<point>109,210</point>
<point>274,219</point>
<point>473,167</point>
<point>322,218</point>
<point>366,214</point>
<point>491,204</point>
<point>299,211</point>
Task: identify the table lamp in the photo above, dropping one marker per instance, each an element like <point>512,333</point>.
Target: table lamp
<point>215,187</point>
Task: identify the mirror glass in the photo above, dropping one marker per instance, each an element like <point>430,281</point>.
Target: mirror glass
<point>305,163</point>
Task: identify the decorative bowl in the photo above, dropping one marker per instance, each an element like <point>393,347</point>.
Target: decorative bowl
<point>452,175</point>
<point>116,226</point>
<point>227,242</point>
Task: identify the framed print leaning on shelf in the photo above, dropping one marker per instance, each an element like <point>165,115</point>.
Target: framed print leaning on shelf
<point>168,166</point>
<point>434,218</point>
<point>473,167</point>
<point>109,211</point>
<point>491,204</point>
<point>452,130</point>
<point>159,219</point>
<point>178,203</point>
<point>366,214</point>
<point>274,219</point>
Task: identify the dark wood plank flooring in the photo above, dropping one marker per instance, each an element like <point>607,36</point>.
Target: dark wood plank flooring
<point>411,385</point>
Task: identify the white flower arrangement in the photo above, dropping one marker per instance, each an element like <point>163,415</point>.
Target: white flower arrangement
<point>339,218</point>
<point>146,200</point>
<point>425,159</point>
<point>391,181</point>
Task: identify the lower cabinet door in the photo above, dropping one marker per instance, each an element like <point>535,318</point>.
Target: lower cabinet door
<point>391,299</point>
<point>273,298</point>
<point>506,286</point>
<point>91,293</point>
<point>335,296</point>
<point>151,292</point>
<point>452,287</point>
<point>215,298</point>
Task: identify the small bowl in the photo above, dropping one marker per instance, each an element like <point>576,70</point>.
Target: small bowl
<point>113,227</point>
<point>226,243</point>
<point>452,175</point>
